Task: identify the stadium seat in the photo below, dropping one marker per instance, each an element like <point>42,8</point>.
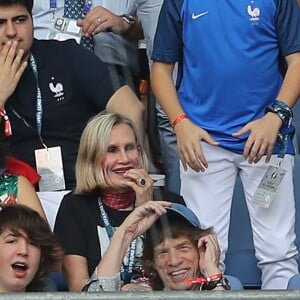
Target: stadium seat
<point>59,280</point>
<point>235,283</point>
<point>294,283</point>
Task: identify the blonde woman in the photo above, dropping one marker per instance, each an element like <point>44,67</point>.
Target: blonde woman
<point>111,179</point>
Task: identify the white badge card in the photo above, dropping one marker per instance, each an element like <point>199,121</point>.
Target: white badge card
<point>268,186</point>
<point>65,29</point>
<point>50,167</point>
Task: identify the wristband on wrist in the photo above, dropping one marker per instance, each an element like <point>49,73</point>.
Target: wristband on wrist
<point>216,281</point>
<point>283,111</point>
<point>178,119</point>
<point>206,282</point>
<point>7,125</point>
<point>214,277</point>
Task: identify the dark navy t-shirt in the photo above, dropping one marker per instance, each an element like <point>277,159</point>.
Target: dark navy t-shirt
<point>75,85</point>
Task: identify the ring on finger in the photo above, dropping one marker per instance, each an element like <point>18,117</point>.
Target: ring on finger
<point>99,20</point>
<point>142,182</point>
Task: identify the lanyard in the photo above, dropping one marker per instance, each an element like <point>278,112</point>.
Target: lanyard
<point>39,106</point>
<point>53,4</point>
<point>87,6</point>
<point>126,272</point>
<point>53,8</point>
<point>283,137</point>
<point>7,125</point>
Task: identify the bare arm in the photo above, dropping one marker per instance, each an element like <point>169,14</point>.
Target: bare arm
<point>125,102</point>
<point>27,196</point>
<point>75,269</point>
<point>290,90</point>
<point>264,131</point>
<point>188,134</point>
<point>164,89</point>
<point>133,226</point>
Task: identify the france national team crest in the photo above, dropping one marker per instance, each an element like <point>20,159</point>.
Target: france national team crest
<point>254,13</point>
<point>57,89</point>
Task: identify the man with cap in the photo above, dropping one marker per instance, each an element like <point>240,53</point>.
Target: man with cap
<point>183,254</point>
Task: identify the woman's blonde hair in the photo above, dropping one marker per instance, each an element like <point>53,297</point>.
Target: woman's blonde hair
<point>93,147</point>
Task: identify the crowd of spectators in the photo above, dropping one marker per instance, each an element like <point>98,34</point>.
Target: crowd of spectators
<point>72,129</point>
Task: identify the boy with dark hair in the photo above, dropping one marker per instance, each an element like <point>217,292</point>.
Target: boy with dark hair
<point>29,250</point>
<point>49,90</point>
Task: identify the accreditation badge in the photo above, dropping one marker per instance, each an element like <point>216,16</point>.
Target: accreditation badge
<point>268,186</point>
<point>50,167</point>
<point>65,29</point>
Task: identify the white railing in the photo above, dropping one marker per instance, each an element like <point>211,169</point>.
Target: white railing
<point>183,295</point>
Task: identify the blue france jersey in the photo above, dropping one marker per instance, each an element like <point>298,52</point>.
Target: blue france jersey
<point>228,52</point>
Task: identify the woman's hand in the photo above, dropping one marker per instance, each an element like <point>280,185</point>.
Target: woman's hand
<point>139,220</point>
<point>141,183</point>
<point>142,217</point>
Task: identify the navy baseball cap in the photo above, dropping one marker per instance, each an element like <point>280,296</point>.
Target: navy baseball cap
<point>184,212</point>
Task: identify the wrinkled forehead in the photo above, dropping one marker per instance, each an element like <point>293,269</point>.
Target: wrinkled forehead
<point>174,242</point>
